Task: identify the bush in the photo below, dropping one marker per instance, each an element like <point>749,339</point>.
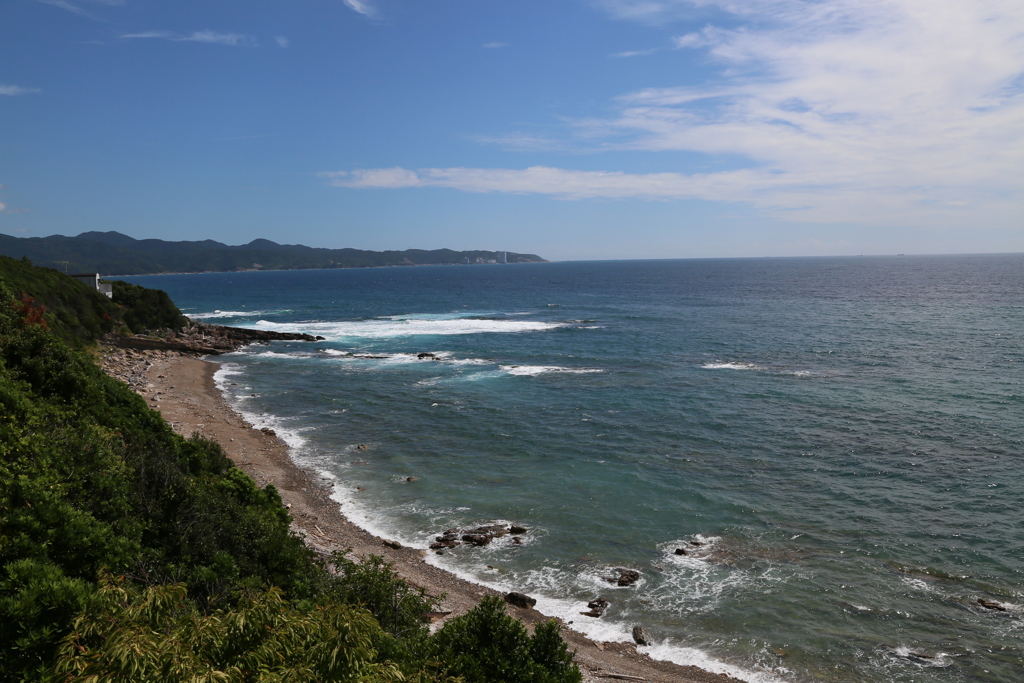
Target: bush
<point>157,635</point>
<point>486,645</point>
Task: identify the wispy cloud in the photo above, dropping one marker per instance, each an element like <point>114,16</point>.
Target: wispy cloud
<point>878,111</point>
<point>494,46</point>
<point>213,37</point>
<point>281,41</point>
<point>558,182</point>
<point>15,90</point>
<point>71,7</point>
<point>363,7</point>
<point>633,53</point>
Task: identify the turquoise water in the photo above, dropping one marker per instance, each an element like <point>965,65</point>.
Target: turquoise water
<point>844,437</point>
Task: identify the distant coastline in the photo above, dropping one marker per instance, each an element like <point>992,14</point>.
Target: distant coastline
<point>114,252</point>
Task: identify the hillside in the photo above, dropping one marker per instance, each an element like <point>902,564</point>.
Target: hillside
<point>129,553</point>
<point>112,253</point>
<point>79,314</point>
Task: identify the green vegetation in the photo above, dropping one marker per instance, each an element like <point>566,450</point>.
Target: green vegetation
<point>128,553</point>
<point>114,253</point>
<point>146,309</point>
<point>79,314</point>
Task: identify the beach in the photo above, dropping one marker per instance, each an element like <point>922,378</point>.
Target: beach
<point>183,390</point>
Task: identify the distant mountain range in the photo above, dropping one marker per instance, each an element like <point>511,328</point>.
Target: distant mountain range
<point>112,253</point>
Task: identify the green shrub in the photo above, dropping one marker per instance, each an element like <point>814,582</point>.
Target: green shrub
<point>157,635</point>
<point>486,645</point>
<point>146,309</point>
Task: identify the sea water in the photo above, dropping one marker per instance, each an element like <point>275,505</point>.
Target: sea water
<point>835,443</point>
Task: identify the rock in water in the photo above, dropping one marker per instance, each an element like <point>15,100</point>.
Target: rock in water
<point>641,636</point>
<point>626,577</point>
<point>518,530</point>
<point>597,607</point>
<point>520,600</point>
<point>991,604</point>
<point>476,539</point>
<point>680,551</point>
<point>393,544</point>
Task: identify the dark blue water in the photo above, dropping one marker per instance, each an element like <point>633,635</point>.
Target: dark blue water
<point>842,436</point>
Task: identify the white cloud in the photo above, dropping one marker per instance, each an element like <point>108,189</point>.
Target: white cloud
<point>231,39</point>
<point>15,90</point>
<point>363,7</point>
<point>494,46</point>
<point>281,41</point>
<point>558,182</point>
<point>633,53</point>
<point>886,112</point>
<point>64,4</point>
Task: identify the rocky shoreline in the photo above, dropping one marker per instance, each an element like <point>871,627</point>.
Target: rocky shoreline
<point>181,387</point>
<point>202,339</point>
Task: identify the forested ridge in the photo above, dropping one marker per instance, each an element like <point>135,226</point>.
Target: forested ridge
<point>129,553</point>
<point>113,253</point>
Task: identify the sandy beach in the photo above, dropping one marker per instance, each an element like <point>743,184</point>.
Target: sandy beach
<point>182,389</point>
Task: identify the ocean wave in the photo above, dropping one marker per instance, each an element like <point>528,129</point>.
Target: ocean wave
<point>408,326</point>
<point>731,366</point>
<point>534,370</point>
<point>292,436</point>
<point>234,314</point>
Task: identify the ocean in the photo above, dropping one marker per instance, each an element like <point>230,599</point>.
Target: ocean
<point>814,463</point>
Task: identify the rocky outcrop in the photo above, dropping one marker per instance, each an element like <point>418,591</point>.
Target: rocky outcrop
<point>479,536</point>
<point>624,577</point>
<point>520,600</point>
<point>597,608</point>
<point>203,339</point>
<point>641,636</point>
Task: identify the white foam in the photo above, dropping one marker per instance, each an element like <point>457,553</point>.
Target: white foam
<point>407,326</point>
<point>233,314</point>
<point>731,366</point>
<point>534,370</point>
<point>292,437</point>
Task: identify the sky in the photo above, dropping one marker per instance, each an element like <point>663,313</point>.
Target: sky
<point>573,129</point>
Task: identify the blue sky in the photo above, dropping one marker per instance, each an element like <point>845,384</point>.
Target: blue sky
<point>576,129</point>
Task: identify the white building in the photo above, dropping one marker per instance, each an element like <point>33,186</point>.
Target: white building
<point>93,280</point>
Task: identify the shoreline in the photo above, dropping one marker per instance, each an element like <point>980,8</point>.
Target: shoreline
<point>183,390</point>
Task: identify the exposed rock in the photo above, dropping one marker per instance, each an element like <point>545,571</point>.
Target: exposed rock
<point>626,577</point>
<point>476,539</point>
<point>597,608</point>
<point>393,544</point>
<point>516,529</point>
<point>268,431</point>
<point>410,478</point>
<point>697,543</point>
<point>991,604</point>
<point>494,531</point>
<point>517,540</point>
<point>520,600</point>
<point>680,551</point>
<point>426,354</point>
<point>641,636</point>
<point>361,447</point>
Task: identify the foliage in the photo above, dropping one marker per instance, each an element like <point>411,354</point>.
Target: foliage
<point>372,583</point>
<point>157,635</point>
<point>486,645</point>
<point>146,309</point>
<point>77,313</point>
